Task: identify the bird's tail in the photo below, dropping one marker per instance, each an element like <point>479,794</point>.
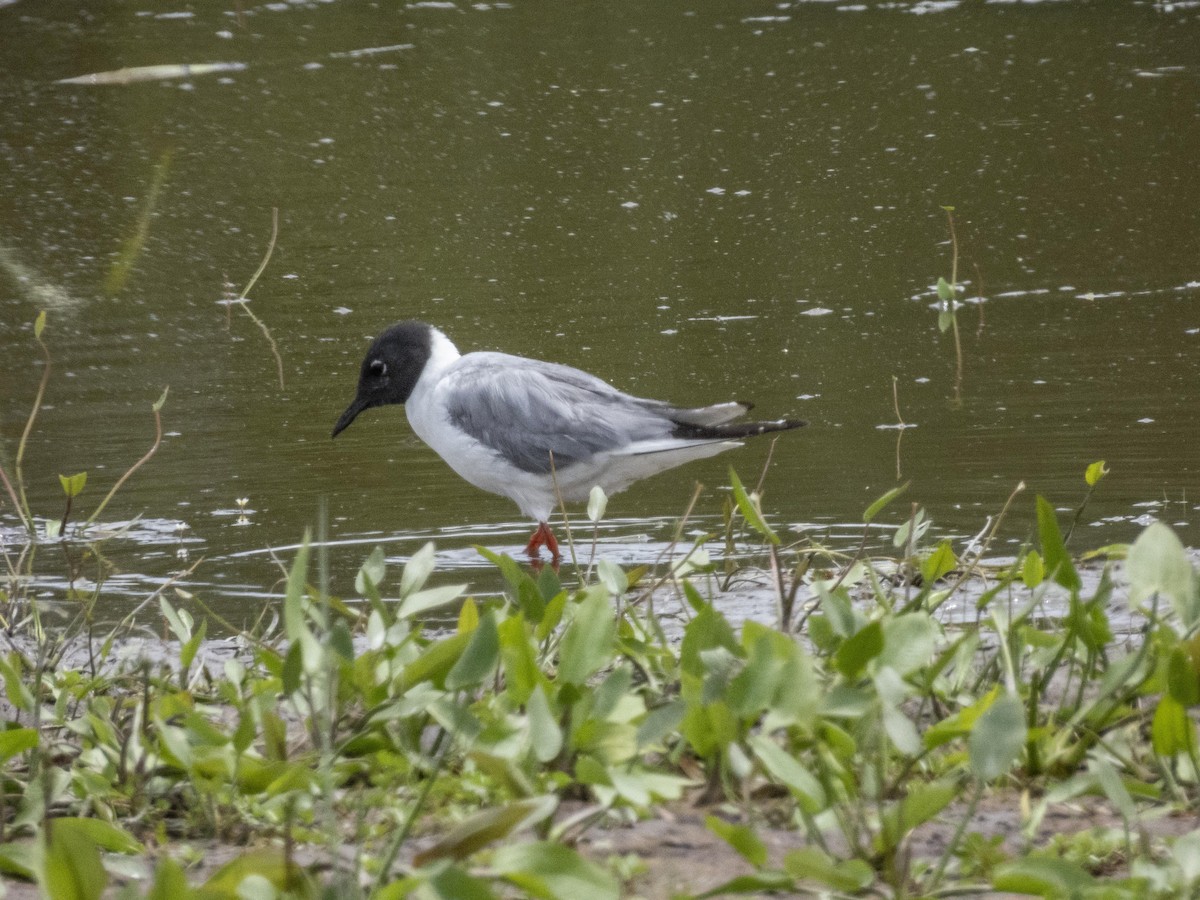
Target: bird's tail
<point>731,430</point>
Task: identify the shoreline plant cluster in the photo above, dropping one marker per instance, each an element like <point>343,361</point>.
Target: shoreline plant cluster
<point>357,751</point>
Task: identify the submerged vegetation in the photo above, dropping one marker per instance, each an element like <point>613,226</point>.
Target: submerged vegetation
<point>352,749</point>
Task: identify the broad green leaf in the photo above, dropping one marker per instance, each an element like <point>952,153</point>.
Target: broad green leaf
<point>1095,472</point>
<point>73,485</point>
<point>1033,572</point>
<point>371,573</point>
<point>20,859</point>
<point>420,602</point>
<point>1158,564</point>
<point>859,649</point>
<point>938,563</point>
<point>1054,551</point>
<point>521,671</point>
<point>435,662</point>
<point>813,864</point>
<point>612,577</point>
<point>789,772</point>
<point>417,570</point>
<point>587,644</point>
<point>901,731</point>
<point>169,881</point>
<point>909,641</point>
<point>104,835</point>
<point>945,319</point>
<point>546,869</point>
<point>741,838</point>
<point>449,883</point>
<point>921,804</point>
<point>1114,788</point>
<point>1047,876</point>
<point>944,291</point>
<point>997,738</point>
<point>878,506</point>
<point>544,732</point>
<point>484,827</point>
<point>1182,682</point>
<point>748,505</point>
<point>479,659</point>
<point>1172,730</point>
<point>757,883</point>
<point>15,741</point>
<point>708,630</point>
<point>660,722</point>
<point>71,865</point>
<point>597,504</point>
<point>269,863</point>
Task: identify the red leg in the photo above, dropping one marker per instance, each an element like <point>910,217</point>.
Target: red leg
<point>543,536</point>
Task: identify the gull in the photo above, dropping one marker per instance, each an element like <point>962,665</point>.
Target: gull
<point>533,431</point>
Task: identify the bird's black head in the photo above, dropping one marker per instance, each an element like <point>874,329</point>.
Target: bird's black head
<point>390,369</point>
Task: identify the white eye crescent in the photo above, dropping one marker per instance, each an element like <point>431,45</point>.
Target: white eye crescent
<point>378,367</point>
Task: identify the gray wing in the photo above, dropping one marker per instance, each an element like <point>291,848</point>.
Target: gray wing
<point>525,410</point>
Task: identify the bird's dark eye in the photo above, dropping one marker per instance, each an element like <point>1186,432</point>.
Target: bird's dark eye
<point>378,368</point>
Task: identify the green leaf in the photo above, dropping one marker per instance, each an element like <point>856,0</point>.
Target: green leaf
<point>597,504</point>
<point>748,505</point>
<point>417,570</point>
<point>660,722</point>
<point>741,838</point>
<point>944,291</point>
<point>940,562</point>
<point>71,866</point>
<point>859,649</point>
<point>1182,682</point>
<point>587,643</point>
<point>39,325</point>
<point>73,485</point>
<point>707,631</point>
<point>158,404</point>
<point>1172,731</point>
<point>1047,876</point>
<point>420,602</point>
<point>544,731</point>
<point>1114,788</point>
<point>997,738</point>
<point>920,805</point>
<point>909,641</point>
<point>613,577</point>
<point>484,827</point>
<point>546,869</point>
<point>371,573</point>
<point>104,835</point>
<point>269,863</point>
<point>449,883</point>
<point>945,320</point>
<point>479,659</point>
<point>756,883</point>
<point>436,661</point>
<point>1158,564</point>
<point>878,506</point>
<point>789,772</point>
<point>1033,572</point>
<point>1095,472</point>
<point>1054,551</point>
<point>521,671</point>
<point>811,863</point>
<point>15,741</point>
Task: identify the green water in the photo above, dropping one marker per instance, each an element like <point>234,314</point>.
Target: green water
<point>697,202</point>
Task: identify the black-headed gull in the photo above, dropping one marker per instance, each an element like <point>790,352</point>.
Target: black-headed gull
<point>517,426</point>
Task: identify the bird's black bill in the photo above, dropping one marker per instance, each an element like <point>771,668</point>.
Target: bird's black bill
<point>349,415</point>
